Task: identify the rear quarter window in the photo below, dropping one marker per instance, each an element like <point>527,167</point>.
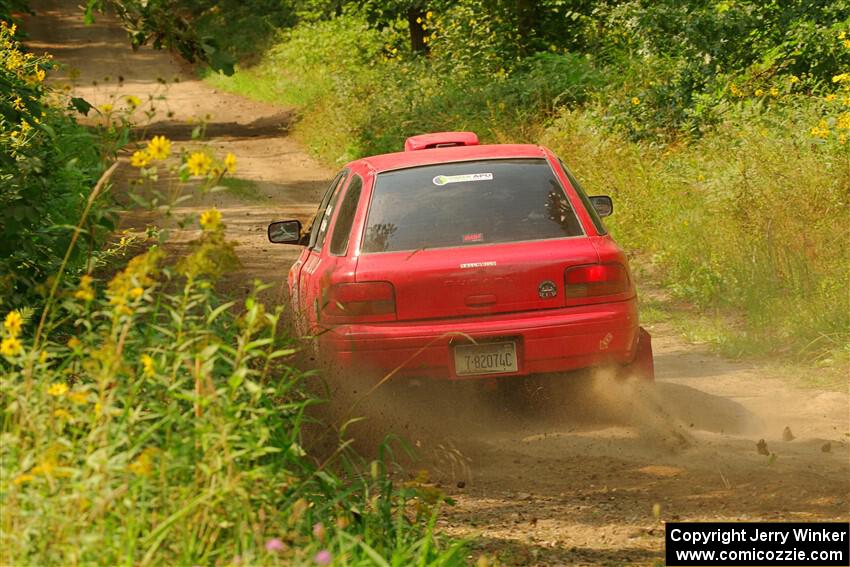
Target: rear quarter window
<point>588,206</point>
<point>468,204</point>
<point>345,217</point>
<point>319,226</point>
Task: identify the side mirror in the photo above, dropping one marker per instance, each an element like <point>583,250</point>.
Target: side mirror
<point>285,232</point>
<point>603,205</point>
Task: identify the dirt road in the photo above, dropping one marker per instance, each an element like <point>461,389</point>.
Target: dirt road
<point>589,482</point>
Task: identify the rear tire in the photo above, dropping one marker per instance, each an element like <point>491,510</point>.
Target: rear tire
<point>544,395</point>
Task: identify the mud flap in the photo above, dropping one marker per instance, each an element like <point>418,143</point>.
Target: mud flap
<point>642,366</point>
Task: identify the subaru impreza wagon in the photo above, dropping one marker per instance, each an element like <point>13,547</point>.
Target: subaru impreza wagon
<point>454,260</point>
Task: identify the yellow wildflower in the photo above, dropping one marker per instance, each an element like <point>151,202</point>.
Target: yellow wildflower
<point>829,98</point>
<point>13,323</point>
<point>62,414</point>
<point>98,409</point>
<point>210,219</point>
<point>846,43</point>
<point>133,101</point>
<point>843,122</point>
<point>774,92</point>
<point>84,294</point>
<point>142,466</point>
<point>159,147</point>
<point>842,35</point>
<point>105,108</point>
<point>57,389</point>
<point>148,365</point>
<point>85,291</point>
<point>198,163</point>
<point>18,103</point>
<point>137,274</point>
<point>10,346</point>
<point>45,468</point>
<point>759,92</point>
<point>22,478</point>
<point>635,100</point>
<point>793,79</point>
<point>429,14</point>
<point>39,74</point>
<point>73,342</point>
<point>140,158</point>
<point>843,77</point>
<point>819,132</point>
<point>137,292</point>
<point>79,398</point>
<point>230,162</point>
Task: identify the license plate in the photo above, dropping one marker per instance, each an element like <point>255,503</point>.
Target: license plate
<point>488,358</point>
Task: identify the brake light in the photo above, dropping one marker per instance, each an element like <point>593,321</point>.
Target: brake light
<point>596,280</point>
<point>359,302</point>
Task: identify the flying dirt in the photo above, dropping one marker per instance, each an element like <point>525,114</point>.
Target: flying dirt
<point>581,470</point>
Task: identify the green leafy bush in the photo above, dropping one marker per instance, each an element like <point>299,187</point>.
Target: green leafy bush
<point>47,165</point>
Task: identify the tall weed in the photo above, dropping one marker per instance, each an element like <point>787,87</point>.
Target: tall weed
<point>148,422</point>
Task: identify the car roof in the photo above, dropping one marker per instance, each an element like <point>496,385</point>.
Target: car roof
<point>401,160</point>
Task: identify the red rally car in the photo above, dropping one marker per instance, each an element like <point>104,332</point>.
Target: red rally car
<point>455,260</point>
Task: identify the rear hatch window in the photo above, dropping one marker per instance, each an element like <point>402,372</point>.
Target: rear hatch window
<point>467,204</point>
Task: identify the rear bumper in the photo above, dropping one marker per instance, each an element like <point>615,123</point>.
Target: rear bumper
<point>554,340</point>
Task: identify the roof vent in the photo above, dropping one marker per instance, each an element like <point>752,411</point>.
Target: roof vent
<point>440,140</point>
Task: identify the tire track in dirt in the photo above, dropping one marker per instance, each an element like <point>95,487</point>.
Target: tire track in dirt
<point>574,485</point>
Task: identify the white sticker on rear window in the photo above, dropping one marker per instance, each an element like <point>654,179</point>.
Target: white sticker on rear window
<point>446,179</point>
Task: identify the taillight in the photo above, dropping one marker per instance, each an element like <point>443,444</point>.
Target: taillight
<point>359,302</point>
<point>595,281</point>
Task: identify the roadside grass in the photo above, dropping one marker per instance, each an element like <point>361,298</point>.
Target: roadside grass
<point>750,218</point>
<point>712,328</point>
<point>148,421</point>
<point>244,189</point>
<point>266,89</point>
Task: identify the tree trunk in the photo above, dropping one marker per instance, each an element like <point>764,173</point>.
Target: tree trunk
<point>415,19</point>
<point>526,20</point>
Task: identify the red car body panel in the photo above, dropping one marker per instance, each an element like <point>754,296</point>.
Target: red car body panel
<point>556,340</point>
<point>444,297</point>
